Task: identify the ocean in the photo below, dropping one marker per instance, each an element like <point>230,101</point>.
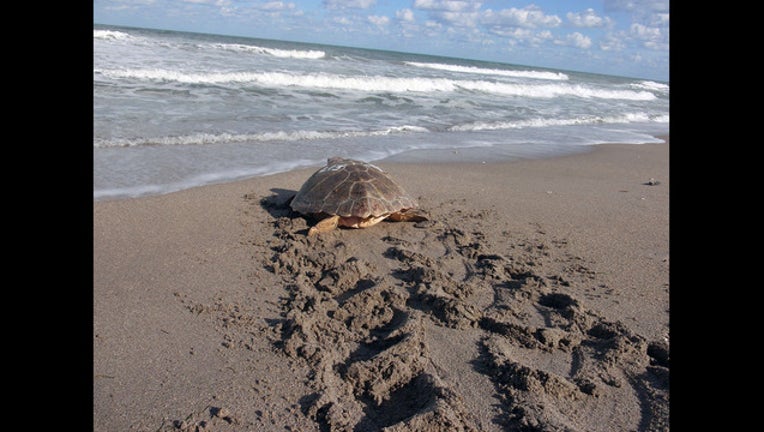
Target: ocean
<point>174,110</point>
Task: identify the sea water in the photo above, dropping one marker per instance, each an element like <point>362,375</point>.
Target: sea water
<point>174,110</point>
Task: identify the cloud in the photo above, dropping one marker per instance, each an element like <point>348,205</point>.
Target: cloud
<point>218,3</point>
<point>575,39</point>
<point>459,13</point>
<point>275,6</point>
<point>342,20</point>
<point>529,17</point>
<point>461,19</point>
<point>379,21</point>
<point>447,5</point>
<point>651,37</point>
<point>462,13</point>
<point>518,34</point>
<point>522,36</point>
<point>660,19</point>
<point>345,4</point>
<point>654,13</point>
<point>611,43</point>
<point>644,32</point>
<point>544,35</point>
<point>588,19</point>
<point>127,5</point>
<point>647,6</point>
<point>405,15</point>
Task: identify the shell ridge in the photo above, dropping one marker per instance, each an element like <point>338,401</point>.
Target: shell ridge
<point>347,187</point>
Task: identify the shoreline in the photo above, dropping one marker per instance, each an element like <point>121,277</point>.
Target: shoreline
<point>212,308</point>
<point>434,156</point>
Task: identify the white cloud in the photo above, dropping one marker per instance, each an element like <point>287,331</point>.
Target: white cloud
<point>406,15</point>
<point>342,20</point>
<point>660,19</point>
<point>516,33</point>
<point>517,36</point>
<point>343,4</point>
<point>275,6</point>
<point>575,39</point>
<point>544,35</point>
<point>127,5</point>
<point>447,5</point>
<point>460,19</point>
<point>379,21</point>
<point>219,3</point>
<point>651,37</point>
<point>647,6</point>
<point>612,43</point>
<point>459,13</point>
<point>650,20</point>
<point>529,17</point>
<point>588,18</point>
<point>644,32</point>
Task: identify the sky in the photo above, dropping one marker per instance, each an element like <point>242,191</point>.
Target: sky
<point>613,37</point>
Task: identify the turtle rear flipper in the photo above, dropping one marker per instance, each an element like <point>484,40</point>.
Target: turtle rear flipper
<point>409,215</point>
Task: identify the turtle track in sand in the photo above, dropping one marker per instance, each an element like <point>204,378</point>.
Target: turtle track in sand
<point>358,305</point>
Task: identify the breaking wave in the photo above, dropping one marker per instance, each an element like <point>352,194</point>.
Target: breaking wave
<point>544,122</point>
<point>500,72</point>
<point>375,83</point>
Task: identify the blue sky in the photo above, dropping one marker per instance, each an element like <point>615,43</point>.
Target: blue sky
<point>615,37</point>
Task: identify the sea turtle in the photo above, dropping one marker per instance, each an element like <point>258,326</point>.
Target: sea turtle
<point>354,194</point>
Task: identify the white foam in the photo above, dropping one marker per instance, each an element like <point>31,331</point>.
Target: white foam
<point>375,83</point>
<point>546,122</point>
<point>206,139</point>
<point>111,35</point>
<point>298,54</point>
<point>500,72</point>
<point>554,90</point>
<point>651,85</point>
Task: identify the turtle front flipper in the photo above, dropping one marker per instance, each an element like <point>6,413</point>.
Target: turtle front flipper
<point>410,215</point>
<point>324,225</point>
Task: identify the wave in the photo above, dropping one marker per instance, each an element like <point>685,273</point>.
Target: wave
<point>544,122</point>
<point>298,54</point>
<point>376,83</point>
<point>548,91</point>
<point>651,85</point>
<point>223,138</point>
<point>275,52</point>
<point>501,72</point>
<point>111,35</point>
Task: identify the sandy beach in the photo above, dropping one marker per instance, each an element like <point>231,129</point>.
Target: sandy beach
<point>535,298</point>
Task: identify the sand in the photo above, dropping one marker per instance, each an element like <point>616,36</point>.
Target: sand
<point>535,298</point>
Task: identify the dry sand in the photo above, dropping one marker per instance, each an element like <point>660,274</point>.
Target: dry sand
<point>536,298</point>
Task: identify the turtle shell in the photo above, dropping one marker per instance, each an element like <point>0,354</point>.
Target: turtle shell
<point>347,187</point>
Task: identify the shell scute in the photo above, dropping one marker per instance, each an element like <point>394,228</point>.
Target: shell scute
<point>347,187</point>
